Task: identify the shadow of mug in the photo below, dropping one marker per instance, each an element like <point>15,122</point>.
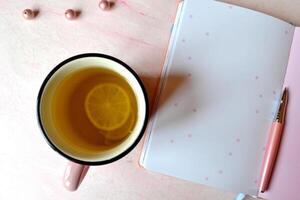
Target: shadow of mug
<point>154,86</point>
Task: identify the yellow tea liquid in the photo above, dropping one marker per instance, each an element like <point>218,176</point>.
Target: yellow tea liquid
<point>94,108</point>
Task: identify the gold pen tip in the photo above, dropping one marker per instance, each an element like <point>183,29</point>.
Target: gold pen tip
<point>285,95</point>
<point>280,116</point>
<point>285,90</point>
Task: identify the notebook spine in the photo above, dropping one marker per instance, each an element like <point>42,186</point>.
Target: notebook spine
<point>164,74</point>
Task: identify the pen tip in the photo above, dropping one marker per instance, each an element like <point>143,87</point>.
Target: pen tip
<point>285,94</point>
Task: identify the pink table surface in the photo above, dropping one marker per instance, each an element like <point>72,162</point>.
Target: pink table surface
<point>137,32</point>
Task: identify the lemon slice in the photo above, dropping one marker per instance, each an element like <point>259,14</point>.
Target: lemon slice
<point>107,106</point>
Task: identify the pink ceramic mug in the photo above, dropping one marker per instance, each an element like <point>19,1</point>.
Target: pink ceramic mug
<point>79,163</point>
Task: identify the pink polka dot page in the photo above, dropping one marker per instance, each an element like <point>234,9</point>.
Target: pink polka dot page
<point>220,87</point>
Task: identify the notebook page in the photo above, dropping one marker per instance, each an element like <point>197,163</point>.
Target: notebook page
<point>286,175</point>
<point>211,126</point>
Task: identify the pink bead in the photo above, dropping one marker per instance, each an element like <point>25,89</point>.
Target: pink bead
<point>28,14</point>
<point>70,14</point>
<point>104,4</point>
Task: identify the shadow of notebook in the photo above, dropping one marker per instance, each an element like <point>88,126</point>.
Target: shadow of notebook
<point>213,130</point>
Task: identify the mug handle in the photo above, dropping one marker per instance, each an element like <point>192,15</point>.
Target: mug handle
<point>74,175</point>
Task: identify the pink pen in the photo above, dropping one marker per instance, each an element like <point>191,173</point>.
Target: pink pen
<point>273,143</point>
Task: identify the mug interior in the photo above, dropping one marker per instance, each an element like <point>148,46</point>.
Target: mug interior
<point>55,138</point>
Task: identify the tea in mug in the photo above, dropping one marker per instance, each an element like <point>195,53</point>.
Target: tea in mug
<point>94,108</point>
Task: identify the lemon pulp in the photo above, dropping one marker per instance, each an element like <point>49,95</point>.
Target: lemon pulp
<point>107,106</point>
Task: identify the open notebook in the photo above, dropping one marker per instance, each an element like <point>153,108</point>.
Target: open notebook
<point>220,87</point>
